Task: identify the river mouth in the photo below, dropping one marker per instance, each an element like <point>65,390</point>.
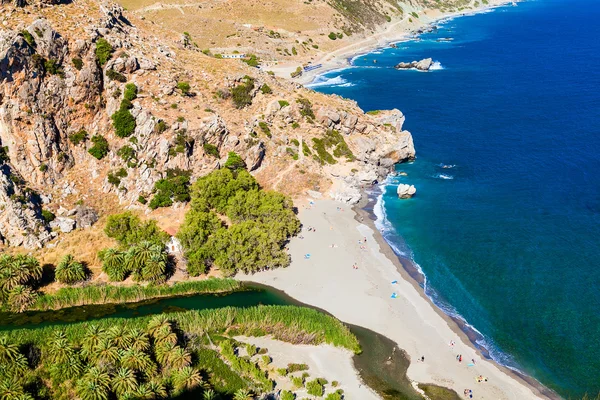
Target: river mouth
<point>382,367</point>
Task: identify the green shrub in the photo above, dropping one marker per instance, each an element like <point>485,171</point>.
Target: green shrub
<point>131,92</point>
<point>265,89</point>
<point>306,108</point>
<point>252,60</point>
<point>292,367</point>
<point>161,126</point>
<point>28,37</point>
<point>333,139</point>
<point>4,154</point>
<point>251,349</point>
<point>374,112</point>
<point>286,395</point>
<point>234,161</point>
<point>211,149</point>
<point>297,381</point>
<point>334,396</point>
<point>241,93</point>
<point>295,125</point>
<point>283,103</point>
<point>48,216</point>
<point>314,388</point>
<point>77,63</point>
<point>184,87</point>
<point>100,147</point>
<point>128,229</point>
<point>103,51</point>
<point>264,127</point>
<point>282,371</point>
<point>43,167</point>
<point>115,76</point>
<point>175,187</point>
<point>414,14</point>
<point>332,36</point>
<point>142,200</point>
<point>127,153</point>
<point>53,67</point>
<point>78,137</point>
<point>123,122</point>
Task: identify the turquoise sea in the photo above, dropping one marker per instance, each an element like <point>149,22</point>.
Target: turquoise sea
<point>506,221</point>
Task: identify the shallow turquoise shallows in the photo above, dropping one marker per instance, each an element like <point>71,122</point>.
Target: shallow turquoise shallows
<point>506,220</point>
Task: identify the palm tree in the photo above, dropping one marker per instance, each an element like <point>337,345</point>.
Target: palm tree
<point>138,339</point>
<point>90,390</point>
<point>60,349</point>
<point>186,378</point>
<point>157,388</point>
<point>154,269</point>
<point>70,270</point>
<point>209,394</point>
<point>106,352</point>
<point>11,389</point>
<point>165,335</point>
<point>92,337</point>
<point>243,394</point>
<point>113,264</point>
<point>18,366</point>
<point>163,352</point>
<point>179,358</point>
<point>157,323</point>
<point>137,360</point>
<point>124,381</point>
<point>21,298</point>
<point>8,351</point>
<point>119,337</point>
<point>35,270</point>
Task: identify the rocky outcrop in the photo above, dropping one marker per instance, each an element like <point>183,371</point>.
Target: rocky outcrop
<point>406,191</point>
<point>423,65</point>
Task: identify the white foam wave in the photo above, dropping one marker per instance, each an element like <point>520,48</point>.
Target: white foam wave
<point>436,66</point>
<point>443,176</point>
<point>337,81</point>
<point>446,166</point>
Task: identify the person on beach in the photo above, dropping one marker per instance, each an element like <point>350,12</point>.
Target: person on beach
<point>460,358</point>
<point>422,358</point>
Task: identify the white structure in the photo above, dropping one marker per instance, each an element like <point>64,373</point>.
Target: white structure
<point>174,247</point>
<point>237,56</point>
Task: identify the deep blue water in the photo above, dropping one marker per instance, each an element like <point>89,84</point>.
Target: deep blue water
<point>511,238</point>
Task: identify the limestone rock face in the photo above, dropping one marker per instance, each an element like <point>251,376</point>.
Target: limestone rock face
<point>65,224</point>
<point>406,191</point>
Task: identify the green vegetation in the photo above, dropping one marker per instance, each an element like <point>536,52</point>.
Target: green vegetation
<point>127,154</point>
<point>70,270</point>
<point>128,229</point>
<point>104,294</point>
<point>28,38</point>
<point>261,223</point>
<point>234,161</point>
<point>316,387</point>
<point>241,93</point>
<point>211,149</point>
<point>264,127</point>
<point>252,60</point>
<point>100,147</point>
<point>78,137</point>
<point>131,92</point>
<point>53,68</point>
<point>414,14</point>
<point>184,88</point>
<point>296,367</point>
<point>306,108</point>
<point>123,122</point>
<point>77,63</point>
<point>438,392</point>
<point>114,177</point>
<point>48,216</point>
<point>332,36</point>
<point>115,76</point>
<point>103,51</point>
<point>43,167</point>
<point>333,139</point>
<point>18,277</point>
<point>374,112</point>
<point>4,154</point>
<point>265,89</point>
<point>283,103</point>
<point>145,261</point>
<point>175,187</point>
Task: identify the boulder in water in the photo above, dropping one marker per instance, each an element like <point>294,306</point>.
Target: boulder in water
<point>423,65</point>
<point>406,191</point>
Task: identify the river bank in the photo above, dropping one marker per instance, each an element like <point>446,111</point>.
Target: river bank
<point>379,295</point>
<point>402,30</point>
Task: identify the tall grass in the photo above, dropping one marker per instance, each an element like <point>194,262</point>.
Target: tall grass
<point>104,294</point>
<point>292,324</point>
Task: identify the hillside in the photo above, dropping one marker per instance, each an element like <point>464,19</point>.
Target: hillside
<point>95,110</point>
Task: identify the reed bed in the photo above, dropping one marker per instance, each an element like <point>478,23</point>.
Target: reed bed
<point>288,323</point>
<point>106,294</point>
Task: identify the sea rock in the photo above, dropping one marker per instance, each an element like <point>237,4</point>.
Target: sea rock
<point>347,194</point>
<point>423,65</point>
<point>406,191</point>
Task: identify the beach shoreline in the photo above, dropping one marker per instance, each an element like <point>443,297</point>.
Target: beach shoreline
<point>399,31</point>
<point>365,214</point>
<point>380,295</point>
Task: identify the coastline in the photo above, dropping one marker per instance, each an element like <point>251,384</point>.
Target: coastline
<point>398,31</point>
<point>327,280</point>
<point>412,273</point>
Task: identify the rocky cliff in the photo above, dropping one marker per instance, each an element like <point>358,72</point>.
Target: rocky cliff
<point>66,72</point>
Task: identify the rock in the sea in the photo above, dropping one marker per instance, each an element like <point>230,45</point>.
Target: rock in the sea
<point>423,65</point>
<point>406,191</point>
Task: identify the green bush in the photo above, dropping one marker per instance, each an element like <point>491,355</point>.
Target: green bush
<point>43,167</point>
<point>314,388</point>
<point>241,93</point>
<point>161,126</point>
<point>100,147</point>
<point>333,139</point>
<point>127,229</point>
<point>265,128</point>
<point>77,63</point>
<point>211,149</point>
<point>286,395</point>
<point>53,67</point>
<point>234,161</point>
<point>292,367</point>
<point>115,76</point>
<point>283,103</point>
<point>103,51</point>
<point>127,153</point>
<point>48,216</point>
<point>184,87</point>
<point>332,36</point>
<point>78,137</point>
<point>175,187</point>
<point>4,154</point>
<point>306,108</point>
<point>123,122</point>
<point>265,89</point>
<point>252,60</point>
<point>142,200</point>
<point>28,37</point>
<point>131,92</point>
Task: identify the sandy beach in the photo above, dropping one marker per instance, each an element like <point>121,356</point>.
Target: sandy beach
<point>378,295</point>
